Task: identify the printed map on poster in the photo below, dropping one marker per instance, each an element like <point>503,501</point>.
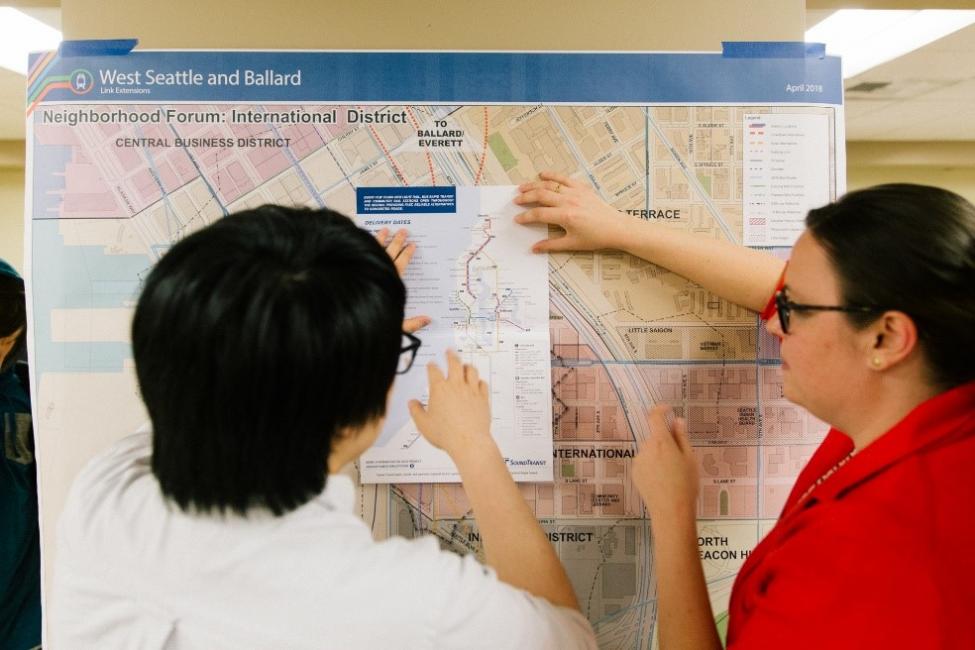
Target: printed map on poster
<point>475,276</point>
<point>110,194</point>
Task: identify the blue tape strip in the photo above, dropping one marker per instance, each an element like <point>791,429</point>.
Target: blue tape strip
<point>772,50</point>
<point>114,47</point>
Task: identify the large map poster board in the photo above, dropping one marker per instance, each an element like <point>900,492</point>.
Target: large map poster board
<point>130,151</point>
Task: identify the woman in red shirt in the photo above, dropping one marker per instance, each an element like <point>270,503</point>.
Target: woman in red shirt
<point>876,317</point>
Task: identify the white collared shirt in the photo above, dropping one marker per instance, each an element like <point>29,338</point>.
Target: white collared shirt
<point>135,572</point>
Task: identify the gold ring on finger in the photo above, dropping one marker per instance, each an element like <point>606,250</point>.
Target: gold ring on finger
<point>558,186</point>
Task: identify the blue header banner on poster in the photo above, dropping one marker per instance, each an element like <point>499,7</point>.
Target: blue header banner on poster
<point>428,77</point>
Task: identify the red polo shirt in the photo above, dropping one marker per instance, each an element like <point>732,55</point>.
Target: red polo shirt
<point>879,555</point>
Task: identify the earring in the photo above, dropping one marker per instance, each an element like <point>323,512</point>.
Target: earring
<point>877,362</point>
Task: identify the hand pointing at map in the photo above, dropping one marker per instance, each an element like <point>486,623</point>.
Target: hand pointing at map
<point>589,222</point>
<point>401,253</point>
<point>457,419</point>
<point>741,275</point>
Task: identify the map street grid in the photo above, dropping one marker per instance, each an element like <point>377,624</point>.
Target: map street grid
<point>109,198</point>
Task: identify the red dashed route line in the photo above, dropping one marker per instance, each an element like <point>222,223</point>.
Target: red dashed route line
<point>382,145</point>
<point>416,125</point>
<point>480,167</point>
<point>467,266</point>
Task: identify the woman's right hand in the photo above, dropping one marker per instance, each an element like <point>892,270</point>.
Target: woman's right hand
<point>457,417</point>
<point>589,222</point>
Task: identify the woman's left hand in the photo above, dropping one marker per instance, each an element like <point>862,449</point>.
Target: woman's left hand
<point>665,469</point>
<point>588,221</point>
<point>401,252</point>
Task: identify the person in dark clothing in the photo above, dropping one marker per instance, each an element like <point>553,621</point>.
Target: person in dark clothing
<point>20,563</point>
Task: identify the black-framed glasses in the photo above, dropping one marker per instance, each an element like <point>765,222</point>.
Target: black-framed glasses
<point>407,353</point>
<point>785,307</point>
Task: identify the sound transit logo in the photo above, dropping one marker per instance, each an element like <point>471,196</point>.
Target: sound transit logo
<point>81,82</point>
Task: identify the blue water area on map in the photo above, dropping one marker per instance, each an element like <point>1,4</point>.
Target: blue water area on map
<point>49,179</point>
<point>78,277</point>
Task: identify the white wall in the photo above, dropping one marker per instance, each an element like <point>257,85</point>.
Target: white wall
<point>956,179</point>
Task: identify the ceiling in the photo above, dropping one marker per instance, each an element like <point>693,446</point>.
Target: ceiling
<point>930,96</point>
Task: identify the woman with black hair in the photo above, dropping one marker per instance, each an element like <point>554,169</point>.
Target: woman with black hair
<point>875,313</point>
<point>20,568</point>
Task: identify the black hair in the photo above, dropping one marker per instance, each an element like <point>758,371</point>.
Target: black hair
<point>256,341</point>
<point>13,317</point>
<point>909,248</point>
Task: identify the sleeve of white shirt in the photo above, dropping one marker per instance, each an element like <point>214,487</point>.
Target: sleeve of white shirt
<point>476,610</point>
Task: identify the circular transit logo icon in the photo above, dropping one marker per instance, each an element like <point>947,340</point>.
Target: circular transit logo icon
<point>81,81</point>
